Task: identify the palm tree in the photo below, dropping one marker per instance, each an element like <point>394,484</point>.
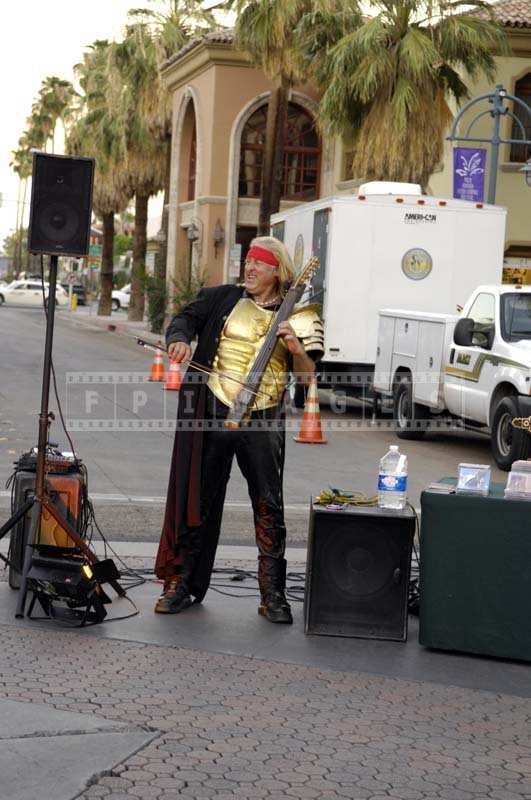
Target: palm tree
<point>54,103</point>
<point>268,31</point>
<point>265,30</point>
<point>91,135</point>
<point>21,166</point>
<point>163,33</point>
<point>387,83</point>
<point>134,144</point>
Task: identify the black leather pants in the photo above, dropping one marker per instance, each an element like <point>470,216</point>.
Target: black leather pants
<point>260,457</point>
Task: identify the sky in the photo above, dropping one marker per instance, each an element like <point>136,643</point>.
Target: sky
<point>41,39</point>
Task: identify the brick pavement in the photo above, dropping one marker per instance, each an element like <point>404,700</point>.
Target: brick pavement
<point>235,727</point>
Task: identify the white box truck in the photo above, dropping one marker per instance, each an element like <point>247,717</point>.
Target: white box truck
<point>388,249</point>
<point>475,368</point>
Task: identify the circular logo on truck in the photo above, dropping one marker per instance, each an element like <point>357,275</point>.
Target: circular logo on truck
<point>416,263</point>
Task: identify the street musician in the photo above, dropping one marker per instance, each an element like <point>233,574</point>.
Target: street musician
<point>231,323</point>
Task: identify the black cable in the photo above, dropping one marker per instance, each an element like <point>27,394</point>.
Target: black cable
<point>413,603</point>
<point>88,516</point>
<point>84,624</point>
<point>135,613</point>
<point>128,571</point>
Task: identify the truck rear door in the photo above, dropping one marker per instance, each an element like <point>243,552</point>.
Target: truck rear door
<point>384,353</point>
<point>320,249</point>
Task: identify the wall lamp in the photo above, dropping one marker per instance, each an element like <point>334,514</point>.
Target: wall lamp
<point>192,232</point>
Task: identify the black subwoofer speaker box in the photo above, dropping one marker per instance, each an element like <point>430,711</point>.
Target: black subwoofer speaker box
<point>65,490</point>
<point>357,572</point>
<point>61,205</point>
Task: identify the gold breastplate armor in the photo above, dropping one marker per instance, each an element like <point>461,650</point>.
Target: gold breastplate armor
<point>242,337</point>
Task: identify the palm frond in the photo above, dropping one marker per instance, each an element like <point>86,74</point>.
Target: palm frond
<point>386,83</point>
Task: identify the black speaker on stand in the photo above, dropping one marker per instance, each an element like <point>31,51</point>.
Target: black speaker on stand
<point>61,205</point>
<point>357,572</point>
<point>60,217</point>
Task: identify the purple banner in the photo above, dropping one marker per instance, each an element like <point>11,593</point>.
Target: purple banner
<point>469,173</point>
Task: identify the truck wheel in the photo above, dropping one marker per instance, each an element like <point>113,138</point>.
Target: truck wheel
<point>115,304</point>
<point>508,444</point>
<point>408,414</point>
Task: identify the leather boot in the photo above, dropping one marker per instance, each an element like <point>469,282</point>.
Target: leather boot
<point>175,595</point>
<point>272,584</point>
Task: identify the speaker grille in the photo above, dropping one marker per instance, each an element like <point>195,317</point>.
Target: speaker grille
<point>357,573</point>
<point>61,205</point>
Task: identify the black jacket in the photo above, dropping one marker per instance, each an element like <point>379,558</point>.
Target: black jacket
<point>204,317</point>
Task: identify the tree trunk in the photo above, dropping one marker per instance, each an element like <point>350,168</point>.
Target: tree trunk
<point>21,228</point>
<point>277,170</point>
<point>138,272</point>
<point>272,166</point>
<point>267,165</point>
<point>160,271</point>
<point>107,265</point>
<point>16,265</point>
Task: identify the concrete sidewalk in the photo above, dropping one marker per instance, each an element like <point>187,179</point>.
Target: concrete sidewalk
<point>116,322</point>
<point>219,703</point>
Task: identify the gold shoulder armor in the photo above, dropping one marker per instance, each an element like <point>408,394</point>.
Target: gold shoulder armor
<point>308,325</point>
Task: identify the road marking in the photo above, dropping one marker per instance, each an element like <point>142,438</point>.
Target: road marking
<point>156,500</point>
<point>124,499</point>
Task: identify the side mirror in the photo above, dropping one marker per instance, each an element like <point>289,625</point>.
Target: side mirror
<point>483,336</point>
<point>463,332</point>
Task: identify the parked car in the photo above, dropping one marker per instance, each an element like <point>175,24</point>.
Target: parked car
<point>29,293</point>
<point>121,297</point>
<point>79,290</point>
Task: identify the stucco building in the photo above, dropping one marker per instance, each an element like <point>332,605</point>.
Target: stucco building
<point>219,114</point>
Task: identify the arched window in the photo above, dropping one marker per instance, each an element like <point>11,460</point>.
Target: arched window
<point>302,155</point>
<point>192,164</point>
<point>522,90</point>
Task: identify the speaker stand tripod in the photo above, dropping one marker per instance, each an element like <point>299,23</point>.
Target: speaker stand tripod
<point>41,500</point>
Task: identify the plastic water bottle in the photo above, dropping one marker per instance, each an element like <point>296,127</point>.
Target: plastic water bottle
<point>392,479</point>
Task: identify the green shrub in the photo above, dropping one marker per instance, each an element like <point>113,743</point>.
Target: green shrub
<point>184,289</point>
<point>157,298</point>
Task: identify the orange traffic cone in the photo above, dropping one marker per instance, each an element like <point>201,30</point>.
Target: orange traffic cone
<point>174,379</point>
<point>310,432</point>
<point>157,368</point>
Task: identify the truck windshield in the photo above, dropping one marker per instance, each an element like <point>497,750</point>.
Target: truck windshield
<point>516,317</point>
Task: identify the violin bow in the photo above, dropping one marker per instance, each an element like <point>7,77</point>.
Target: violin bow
<point>201,368</point>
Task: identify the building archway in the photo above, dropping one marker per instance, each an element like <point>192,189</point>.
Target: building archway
<point>302,155</point>
<point>183,253</point>
<point>245,155</point>
<point>520,153</point>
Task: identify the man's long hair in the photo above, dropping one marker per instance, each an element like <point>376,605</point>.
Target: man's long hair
<point>286,269</point>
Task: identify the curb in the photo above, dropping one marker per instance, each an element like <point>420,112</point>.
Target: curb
<point>225,552</point>
<point>123,328</point>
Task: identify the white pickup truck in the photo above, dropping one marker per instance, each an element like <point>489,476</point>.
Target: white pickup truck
<point>475,367</point>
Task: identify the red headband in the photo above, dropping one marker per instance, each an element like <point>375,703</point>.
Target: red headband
<point>261,254</point>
